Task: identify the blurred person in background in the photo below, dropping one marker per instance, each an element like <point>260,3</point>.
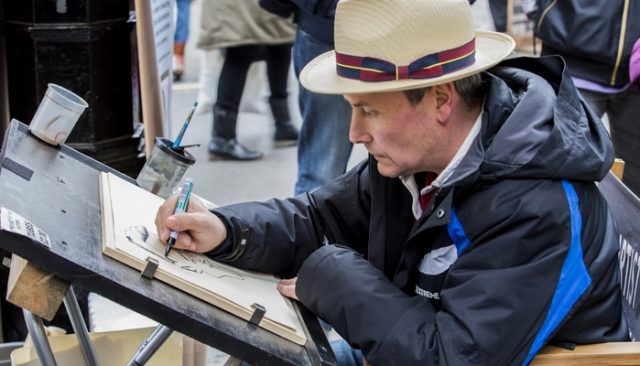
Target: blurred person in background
<point>180,37</point>
<point>600,42</point>
<point>323,147</point>
<point>248,34</point>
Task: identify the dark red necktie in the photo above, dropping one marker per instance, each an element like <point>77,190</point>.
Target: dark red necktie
<point>425,197</point>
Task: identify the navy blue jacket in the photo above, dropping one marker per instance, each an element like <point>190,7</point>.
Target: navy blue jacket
<point>517,248</point>
<point>315,17</point>
<point>595,37</point>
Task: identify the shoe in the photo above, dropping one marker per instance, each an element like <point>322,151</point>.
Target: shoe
<point>231,150</point>
<point>286,133</point>
<point>178,61</point>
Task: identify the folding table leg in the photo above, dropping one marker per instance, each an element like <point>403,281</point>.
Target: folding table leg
<point>79,327</point>
<point>39,338</point>
<point>232,361</point>
<point>150,345</point>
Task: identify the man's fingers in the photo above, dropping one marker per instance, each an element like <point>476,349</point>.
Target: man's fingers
<point>185,241</point>
<point>288,288</point>
<point>165,210</point>
<point>196,205</point>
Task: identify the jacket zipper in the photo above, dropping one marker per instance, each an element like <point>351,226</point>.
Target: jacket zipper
<point>544,14</point>
<point>623,33</point>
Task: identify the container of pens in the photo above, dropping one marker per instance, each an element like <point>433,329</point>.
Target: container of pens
<point>164,168</point>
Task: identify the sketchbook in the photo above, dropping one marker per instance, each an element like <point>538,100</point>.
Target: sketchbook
<point>129,235</point>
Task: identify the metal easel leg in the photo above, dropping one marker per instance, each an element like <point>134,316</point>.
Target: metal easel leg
<point>150,345</point>
<point>232,361</point>
<point>39,338</point>
<point>79,327</point>
<point>256,318</point>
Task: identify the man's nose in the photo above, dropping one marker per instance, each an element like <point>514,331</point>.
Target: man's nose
<point>357,133</point>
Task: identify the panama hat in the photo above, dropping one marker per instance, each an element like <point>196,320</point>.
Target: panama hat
<point>389,45</point>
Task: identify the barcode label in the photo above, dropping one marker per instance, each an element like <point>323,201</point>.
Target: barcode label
<point>11,221</point>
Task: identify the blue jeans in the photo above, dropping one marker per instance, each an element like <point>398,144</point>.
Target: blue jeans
<point>323,145</point>
<point>182,21</point>
<point>345,355</point>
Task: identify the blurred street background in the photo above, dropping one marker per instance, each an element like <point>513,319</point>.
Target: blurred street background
<point>224,182</point>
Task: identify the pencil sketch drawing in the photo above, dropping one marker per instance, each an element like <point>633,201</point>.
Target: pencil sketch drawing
<point>139,235</point>
<point>129,236</point>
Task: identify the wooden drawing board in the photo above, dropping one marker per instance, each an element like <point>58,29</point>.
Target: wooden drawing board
<point>129,235</point>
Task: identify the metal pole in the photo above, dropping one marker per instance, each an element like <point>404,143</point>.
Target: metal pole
<point>232,361</point>
<point>79,327</point>
<point>150,345</point>
<point>39,338</point>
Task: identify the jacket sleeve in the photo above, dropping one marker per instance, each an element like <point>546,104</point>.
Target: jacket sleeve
<point>494,299</point>
<point>276,236</point>
<point>282,8</point>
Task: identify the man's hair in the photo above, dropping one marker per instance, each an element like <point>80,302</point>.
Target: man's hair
<point>471,89</point>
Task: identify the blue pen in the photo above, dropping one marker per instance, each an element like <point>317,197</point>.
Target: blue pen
<point>181,206</point>
<point>178,140</point>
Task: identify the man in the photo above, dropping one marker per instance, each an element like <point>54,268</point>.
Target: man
<point>323,144</point>
<point>474,233</point>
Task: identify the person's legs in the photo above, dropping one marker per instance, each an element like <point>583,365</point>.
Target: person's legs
<point>225,112</point>
<point>278,59</point>
<point>345,354</point>
<point>323,146</point>
<point>180,37</point>
<point>597,101</point>
<point>622,110</point>
<point>182,21</point>
<point>624,128</point>
<point>499,12</point>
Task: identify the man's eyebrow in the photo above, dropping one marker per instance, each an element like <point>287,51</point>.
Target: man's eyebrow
<point>358,104</point>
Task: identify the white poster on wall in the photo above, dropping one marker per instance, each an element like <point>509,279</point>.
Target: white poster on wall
<point>162,18</point>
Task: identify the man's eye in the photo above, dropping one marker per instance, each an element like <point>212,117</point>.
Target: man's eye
<point>368,112</point>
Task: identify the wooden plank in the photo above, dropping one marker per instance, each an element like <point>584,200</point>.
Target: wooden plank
<point>33,289</point>
<point>618,168</point>
<point>612,353</point>
<point>152,115</point>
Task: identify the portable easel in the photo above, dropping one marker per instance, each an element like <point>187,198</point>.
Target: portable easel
<point>56,189</point>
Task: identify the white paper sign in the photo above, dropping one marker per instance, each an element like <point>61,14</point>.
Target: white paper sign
<point>11,221</point>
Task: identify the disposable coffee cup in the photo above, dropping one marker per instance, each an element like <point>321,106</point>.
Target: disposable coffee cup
<point>164,168</point>
<point>57,114</point>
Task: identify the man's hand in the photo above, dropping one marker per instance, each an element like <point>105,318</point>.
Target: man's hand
<point>288,288</point>
<point>199,230</point>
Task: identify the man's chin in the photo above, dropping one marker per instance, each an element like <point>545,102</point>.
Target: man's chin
<point>387,171</point>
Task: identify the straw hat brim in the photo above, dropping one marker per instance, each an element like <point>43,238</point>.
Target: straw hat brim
<point>320,74</point>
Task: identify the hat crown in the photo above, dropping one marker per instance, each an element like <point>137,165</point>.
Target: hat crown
<point>401,31</point>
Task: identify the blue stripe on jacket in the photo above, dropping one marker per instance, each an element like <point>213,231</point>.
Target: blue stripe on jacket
<point>456,233</point>
<point>574,278</point>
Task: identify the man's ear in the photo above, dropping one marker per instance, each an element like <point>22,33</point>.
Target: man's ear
<point>444,101</point>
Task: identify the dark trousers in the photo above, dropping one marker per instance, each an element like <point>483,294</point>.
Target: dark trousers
<point>622,110</point>
<point>236,65</point>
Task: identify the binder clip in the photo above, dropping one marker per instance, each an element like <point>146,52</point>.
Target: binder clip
<point>150,268</point>
<point>258,314</point>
